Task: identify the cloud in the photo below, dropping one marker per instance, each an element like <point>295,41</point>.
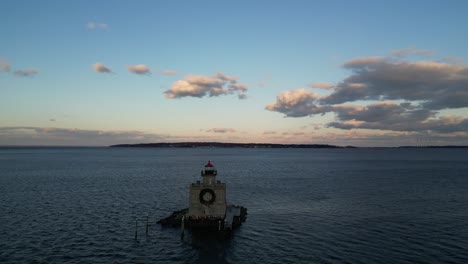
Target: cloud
<point>381,116</point>
<point>453,60</point>
<point>195,86</point>
<point>321,85</point>
<point>269,132</point>
<point>362,62</point>
<point>411,51</point>
<point>94,25</point>
<point>99,67</point>
<point>295,103</point>
<point>24,135</point>
<point>294,133</point>
<point>52,120</point>
<point>139,69</point>
<point>238,87</point>
<point>222,130</point>
<point>242,96</point>
<point>422,89</point>
<point>200,86</point>
<point>265,80</point>
<point>4,65</point>
<point>226,78</point>
<point>441,125</point>
<point>314,126</point>
<point>439,85</point>
<point>26,72</point>
<point>169,72</point>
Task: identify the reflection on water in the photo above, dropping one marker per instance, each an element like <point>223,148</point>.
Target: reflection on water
<point>211,249</point>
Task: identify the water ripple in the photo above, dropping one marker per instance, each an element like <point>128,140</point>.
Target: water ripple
<point>305,206</point>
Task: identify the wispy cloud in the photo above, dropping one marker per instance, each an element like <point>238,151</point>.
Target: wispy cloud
<point>200,86</point>
<point>226,78</point>
<point>411,51</point>
<point>64,136</point>
<point>237,87</point>
<point>222,130</point>
<point>26,72</point>
<point>94,25</point>
<point>99,67</point>
<point>4,65</point>
<point>454,60</point>
<point>139,69</point>
<point>265,79</point>
<point>392,138</point>
<point>242,96</point>
<point>169,72</point>
<point>294,133</point>
<point>321,85</point>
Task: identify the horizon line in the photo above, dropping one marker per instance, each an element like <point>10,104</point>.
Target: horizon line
<point>226,143</point>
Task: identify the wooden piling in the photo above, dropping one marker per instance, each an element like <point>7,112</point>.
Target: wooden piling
<point>147,225</point>
<point>136,228</point>
<point>182,227</point>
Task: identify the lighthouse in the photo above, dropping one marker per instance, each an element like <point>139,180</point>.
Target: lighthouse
<point>208,210</point>
<point>208,196</point>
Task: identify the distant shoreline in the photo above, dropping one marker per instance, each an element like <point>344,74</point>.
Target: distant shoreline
<point>229,145</point>
<point>252,145</point>
<point>225,145</point>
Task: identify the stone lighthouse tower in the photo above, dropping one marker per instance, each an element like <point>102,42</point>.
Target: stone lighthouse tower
<point>208,211</point>
<point>208,197</point>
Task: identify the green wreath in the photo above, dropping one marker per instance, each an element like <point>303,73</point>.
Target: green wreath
<point>207,196</point>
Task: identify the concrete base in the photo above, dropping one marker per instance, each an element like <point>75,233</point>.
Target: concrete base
<point>236,216</point>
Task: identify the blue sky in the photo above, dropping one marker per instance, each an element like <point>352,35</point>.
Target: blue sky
<point>364,73</point>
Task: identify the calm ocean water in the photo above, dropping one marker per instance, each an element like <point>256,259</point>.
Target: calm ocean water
<point>78,205</point>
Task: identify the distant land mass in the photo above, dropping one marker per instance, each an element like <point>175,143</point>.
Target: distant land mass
<point>252,145</point>
<point>225,145</point>
<point>448,146</point>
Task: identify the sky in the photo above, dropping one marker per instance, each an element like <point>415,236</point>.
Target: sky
<point>361,73</point>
